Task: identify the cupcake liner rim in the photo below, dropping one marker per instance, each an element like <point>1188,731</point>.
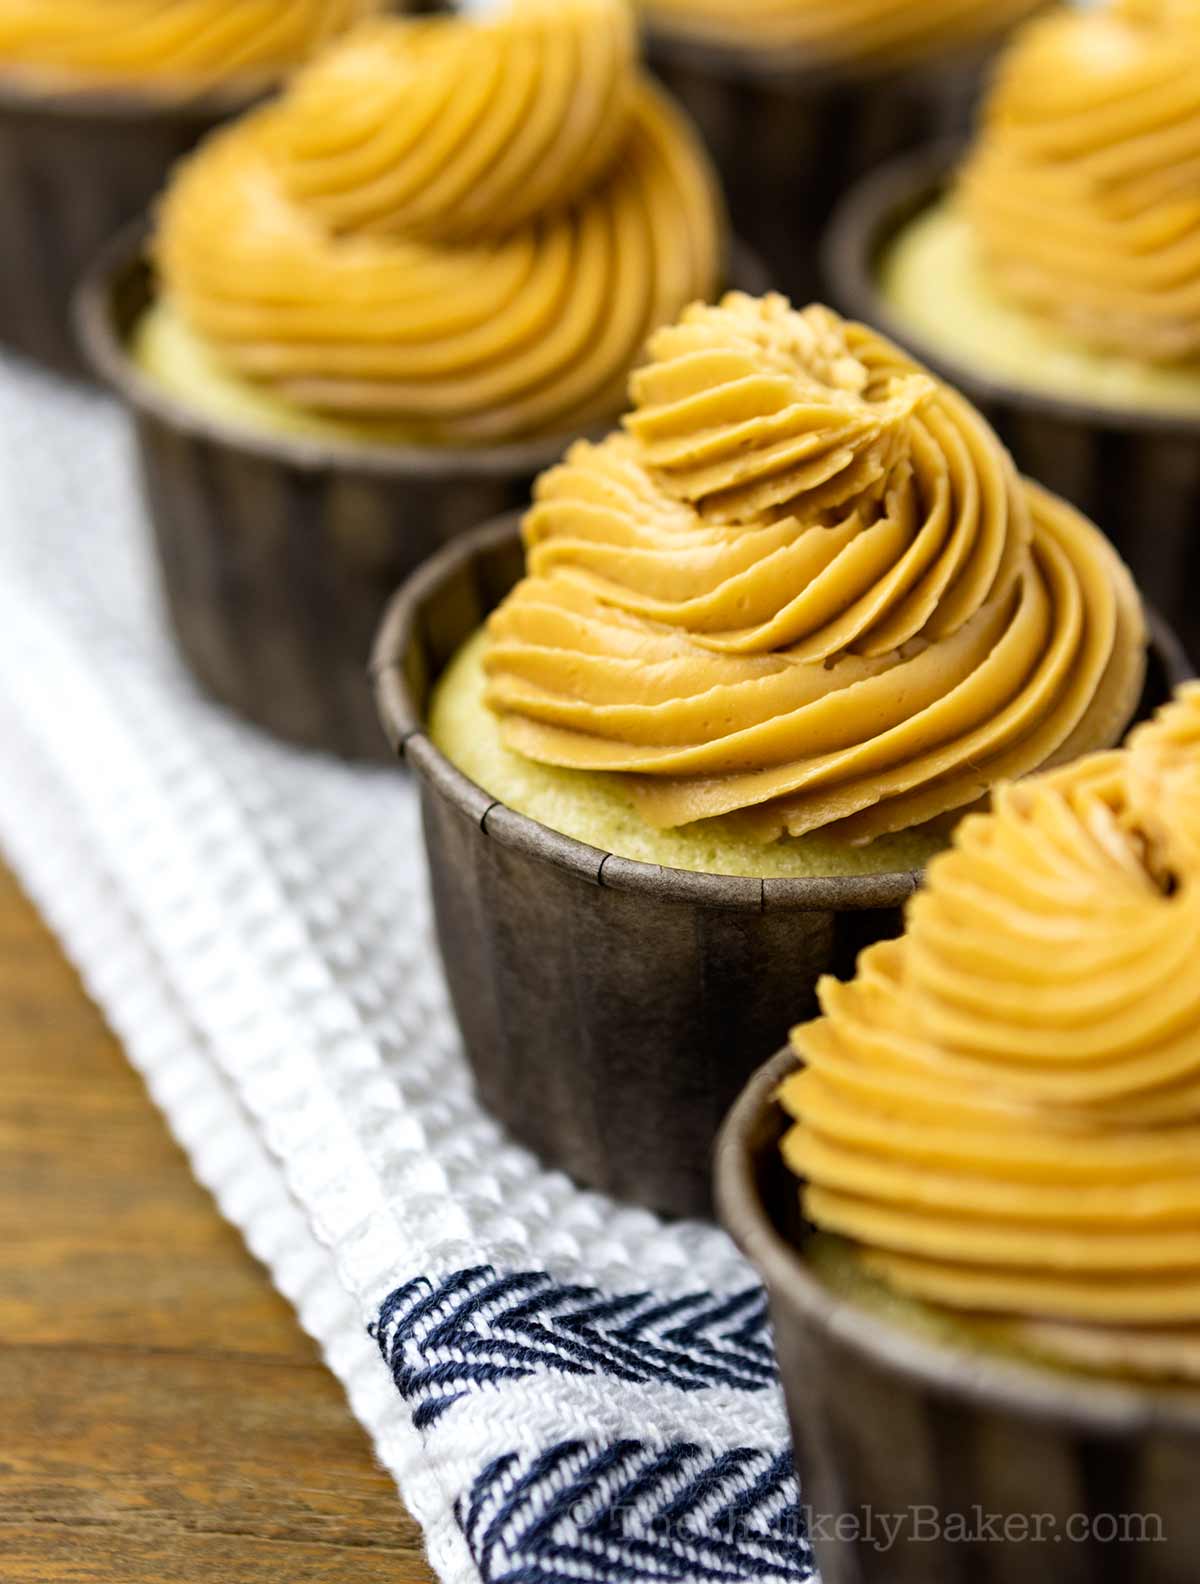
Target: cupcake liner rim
<point>869,217</point>
<point>747,1153</point>
<point>401,710</point>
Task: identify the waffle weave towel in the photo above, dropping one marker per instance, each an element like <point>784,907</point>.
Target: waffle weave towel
<point>563,1388</point>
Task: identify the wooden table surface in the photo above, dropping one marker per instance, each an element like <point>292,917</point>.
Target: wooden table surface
<point>162,1416</point>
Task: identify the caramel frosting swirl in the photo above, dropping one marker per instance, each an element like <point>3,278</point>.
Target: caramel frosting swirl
<point>1084,190</point>
<point>1003,1108</point>
<point>846,30</point>
<point>806,586</point>
<point>467,228</point>
<point>187,42</point>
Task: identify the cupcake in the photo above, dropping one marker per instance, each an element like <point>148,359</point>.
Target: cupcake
<point>797,98</point>
<point>996,1127</point>
<point>773,636</point>
<point>377,306</point>
<point>1056,276</point>
<point>98,98</point>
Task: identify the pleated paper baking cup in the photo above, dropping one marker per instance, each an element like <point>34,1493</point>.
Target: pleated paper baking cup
<point>610,1009</point>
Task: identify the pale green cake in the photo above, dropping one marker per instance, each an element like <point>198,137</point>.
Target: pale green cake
<point>175,358</point>
<point>596,807</point>
<point>1162,1357</point>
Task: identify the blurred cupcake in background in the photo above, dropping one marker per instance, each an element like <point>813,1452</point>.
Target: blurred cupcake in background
<point>798,98</point>
<point>166,47</point>
<point>98,98</point>
<point>381,303</point>
<point>693,746</point>
<point>1056,275</point>
<point>996,1125</point>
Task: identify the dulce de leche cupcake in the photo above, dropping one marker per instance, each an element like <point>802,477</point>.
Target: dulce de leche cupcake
<point>382,303</point>
<point>1058,281</point>
<point>773,636</point>
<point>98,98</point>
<point>997,1126</point>
<point>798,98</point>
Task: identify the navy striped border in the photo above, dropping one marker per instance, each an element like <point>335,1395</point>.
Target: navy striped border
<point>477,1328</point>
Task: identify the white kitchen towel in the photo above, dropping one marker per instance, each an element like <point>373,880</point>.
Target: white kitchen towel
<point>563,1387</point>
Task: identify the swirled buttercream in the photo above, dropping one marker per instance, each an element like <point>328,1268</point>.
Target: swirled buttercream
<point>806,585</point>
<point>1002,1110</point>
<point>468,228</point>
<point>846,30</point>
<point>1083,193</point>
<point>186,42</point>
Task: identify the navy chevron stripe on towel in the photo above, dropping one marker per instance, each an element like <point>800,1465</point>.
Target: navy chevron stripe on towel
<point>478,1327</point>
<point>669,1501</point>
<point>629,1511</point>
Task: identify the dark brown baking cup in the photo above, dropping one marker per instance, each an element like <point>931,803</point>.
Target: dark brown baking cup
<point>1135,474</point>
<point>888,1425</point>
<point>278,554</point>
<point>74,169</point>
<point>611,1010</point>
<point>788,137</point>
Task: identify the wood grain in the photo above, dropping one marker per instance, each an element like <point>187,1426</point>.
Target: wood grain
<point>164,1418</point>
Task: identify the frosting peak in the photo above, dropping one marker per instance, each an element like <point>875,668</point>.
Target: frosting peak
<point>805,585</point>
<point>1003,1108</point>
<point>750,407</point>
<point>465,229</point>
<point>1082,191</point>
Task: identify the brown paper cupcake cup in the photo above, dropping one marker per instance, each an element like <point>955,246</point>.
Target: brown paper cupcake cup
<point>993,1471</point>
<point>278,554</point>
<point>789,138</point>
<point>74,169</point>
<point>1135,474</point>
<point>611,1010</point>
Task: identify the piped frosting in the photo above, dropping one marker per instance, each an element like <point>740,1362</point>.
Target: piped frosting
<point>468,228</point>
<point>1002,1110</point>
<point>1083,191</point>
<point>805,585</point>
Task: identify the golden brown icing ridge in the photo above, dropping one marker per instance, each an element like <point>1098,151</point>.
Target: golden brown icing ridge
<point>806,585</point>
<point>465,228</point>
<point>1003,1108</point>
<point>452,133</point>
<point>848,30</point>
<point>1084,189</point>
<point>181,41</point>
